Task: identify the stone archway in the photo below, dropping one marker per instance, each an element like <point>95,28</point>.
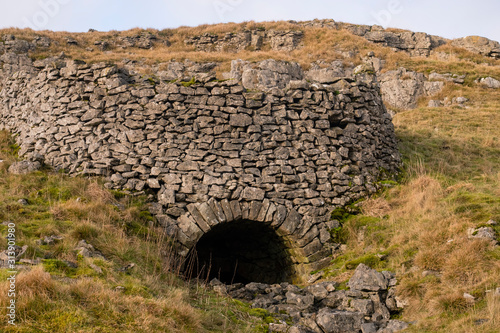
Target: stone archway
<point>286,241</point>
<point>241,252</point>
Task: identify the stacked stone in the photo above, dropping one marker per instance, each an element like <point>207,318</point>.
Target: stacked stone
<point>305,149</point>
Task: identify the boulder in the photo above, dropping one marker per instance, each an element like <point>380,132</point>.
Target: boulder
<point>489,82</point>
<point>367,279</point>
<point>24,167</point>
<point>393,326</point>
<point>334,321</point>
<point>402,88</point>
<point>482,233</point>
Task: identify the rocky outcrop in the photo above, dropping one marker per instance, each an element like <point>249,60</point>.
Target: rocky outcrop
<point>414,43</point>
<point>247,40</point>
<point>365,307</point>
<point>144,40</point>
<point>402,88</point>
<point>449,77</point>
<point>480,45</point>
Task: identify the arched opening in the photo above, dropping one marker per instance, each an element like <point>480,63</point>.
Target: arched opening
<point>241,252</point>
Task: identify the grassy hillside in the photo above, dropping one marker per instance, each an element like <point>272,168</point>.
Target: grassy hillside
<point>318,44</point>
<point>416,228</point>
<point>419,228</point>
<point>98,295</point>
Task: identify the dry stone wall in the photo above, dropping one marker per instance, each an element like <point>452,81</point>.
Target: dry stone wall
<point>212,152</point>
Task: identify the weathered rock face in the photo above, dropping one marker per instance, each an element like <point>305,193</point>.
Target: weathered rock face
<point>480,45</point>
<point>402,88</point>
<point>414,43</point>
<point>366,307</point>
<point>248,39</point>
<point>213,152</point>
<point>142,41</point>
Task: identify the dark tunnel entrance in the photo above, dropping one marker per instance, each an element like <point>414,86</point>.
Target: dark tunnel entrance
<point>241,252</point>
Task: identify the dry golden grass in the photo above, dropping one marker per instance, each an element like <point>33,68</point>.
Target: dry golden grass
<point>76,303</point>
<point>427,235</point>
<point>318,44</point>
<point>154,298</point>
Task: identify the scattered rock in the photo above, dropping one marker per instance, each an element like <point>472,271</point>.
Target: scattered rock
<point>31,262</point>
<point>96,268</point>
<point>431,273</point>
<point>127,267</point>
<point>321,308</point>
<point>18,251</point>
<point>43,42</point>
<point>71,41</point>
<point>51,240</point>
<point>492,222</point>
<point>482,233</point>
<point>87,250</point>
<point>143,41</point>
<point>393,326</point>
<point>334,321</point>
<point>315,277</point>
<point>71,264</point>
<point>459,100</point>
<point>23,202</point>
<point>455,78</point>
<point>24,167</point>
<point>469,298</point>
<point>278,328</point>
<point>489,82</point>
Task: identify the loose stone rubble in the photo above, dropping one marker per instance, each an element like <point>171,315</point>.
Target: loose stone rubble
<point>366,306</point>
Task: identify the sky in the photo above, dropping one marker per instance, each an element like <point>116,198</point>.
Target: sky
<point>446,18</point>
